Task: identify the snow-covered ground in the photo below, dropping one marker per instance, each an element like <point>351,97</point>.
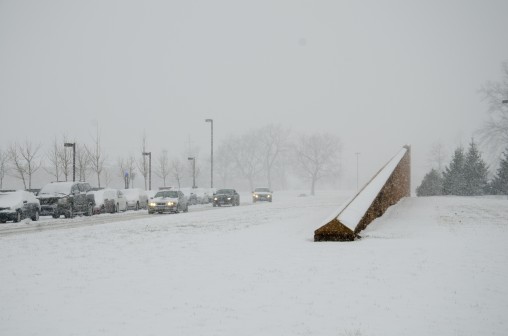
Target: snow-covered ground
<point>429,266</point>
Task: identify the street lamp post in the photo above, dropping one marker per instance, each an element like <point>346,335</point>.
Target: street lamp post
<point>149,169</point>
<point>73,145</point>
<point>193,159</point>
<point>357,154</point>
<point>211,152</point>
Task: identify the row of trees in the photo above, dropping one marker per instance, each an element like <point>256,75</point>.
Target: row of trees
<point>466,175</point>
<point>259,156</point>
<point>24,160</point>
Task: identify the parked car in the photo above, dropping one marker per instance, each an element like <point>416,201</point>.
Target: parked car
<point>136,198</point>
<point>226,197</point>
<point>168,201</point>
<point>109,200</point>
<point>191,195</point>
<point>17,205</point>
<point>66,198</point>
<point>262,194</point>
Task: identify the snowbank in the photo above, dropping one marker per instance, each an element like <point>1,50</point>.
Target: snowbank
<point>428,266</point>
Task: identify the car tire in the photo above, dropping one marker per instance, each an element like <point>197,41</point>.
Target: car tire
<point>17,219</point>
<point>35,217</point>
<point>89,210</point>
<point>55,215</point>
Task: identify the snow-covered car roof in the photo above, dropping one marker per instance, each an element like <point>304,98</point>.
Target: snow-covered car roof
<point>57,188</point>
<point>13,198</point>
<point>100,195</point>
<point>133,193</point>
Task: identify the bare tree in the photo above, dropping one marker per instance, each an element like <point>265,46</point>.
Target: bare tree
<point>54,160</point>
<point>25,160</point>
<point>223,161</point>
<point>437,156</point>
<point>274,140</point>
<point>163,169</point>
<point>96,155</point>
<point>247,154</point>
<point>4,168</point>
<point>494,134</point>
<point>128,166</point>
<point>107,177</point>
<point>142,163</point>
<point>59,159</point>
<point>65,160</point>
<point>177,170</point>
<point>317,156</point>
<point>83,163</point>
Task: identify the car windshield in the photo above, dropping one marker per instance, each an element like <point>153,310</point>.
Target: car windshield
<point>57,188</point>
<point>10,199</point>
<point>225,191</point>
<point>262,190</point>
<point>167,193</point>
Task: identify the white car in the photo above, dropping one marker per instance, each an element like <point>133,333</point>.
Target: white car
<point>172,201</point>
<point>136,198</point>
<point>109,200</point>
<point>18,205</point>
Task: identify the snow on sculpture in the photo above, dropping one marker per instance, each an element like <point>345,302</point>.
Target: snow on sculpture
<point>387,187</point>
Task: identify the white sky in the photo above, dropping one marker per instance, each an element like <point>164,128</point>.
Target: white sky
<point>380,74</point>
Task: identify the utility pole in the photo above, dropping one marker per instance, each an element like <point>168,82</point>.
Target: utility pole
<point>211,152</point>
<point>73,145</point>
<point>149,169</point>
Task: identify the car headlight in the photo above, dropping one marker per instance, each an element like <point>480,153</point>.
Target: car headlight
<point>256,195</point>
<point>171,203</point>
<point>215,198</point>
<point>62,201</point>
<point>268,196</point>
<point>229,198</point>
<point>152,204</point>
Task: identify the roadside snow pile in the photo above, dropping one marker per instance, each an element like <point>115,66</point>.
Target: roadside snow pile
<point>429,266</point>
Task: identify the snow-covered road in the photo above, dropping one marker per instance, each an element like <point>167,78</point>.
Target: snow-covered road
<point>428,266</point>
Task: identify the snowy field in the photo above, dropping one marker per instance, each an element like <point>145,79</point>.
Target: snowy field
<point>429,266</point>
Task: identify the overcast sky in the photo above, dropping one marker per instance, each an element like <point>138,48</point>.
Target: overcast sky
<point>379,74</point>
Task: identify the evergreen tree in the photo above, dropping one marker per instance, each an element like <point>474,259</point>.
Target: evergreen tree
<point>499,185</point>
<point>475,172</point>
<point>432,184</point>
<point>453,176</point>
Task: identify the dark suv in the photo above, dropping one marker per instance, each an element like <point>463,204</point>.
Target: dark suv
<point>226,197</point>
<point>66,198</point>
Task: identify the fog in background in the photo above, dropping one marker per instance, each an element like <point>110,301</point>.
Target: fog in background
<point>378,74</point>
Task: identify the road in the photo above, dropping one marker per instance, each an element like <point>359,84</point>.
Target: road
<point>49,223</point>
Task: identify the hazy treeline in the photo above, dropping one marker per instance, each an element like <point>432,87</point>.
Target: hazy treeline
<point>270,156</point>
